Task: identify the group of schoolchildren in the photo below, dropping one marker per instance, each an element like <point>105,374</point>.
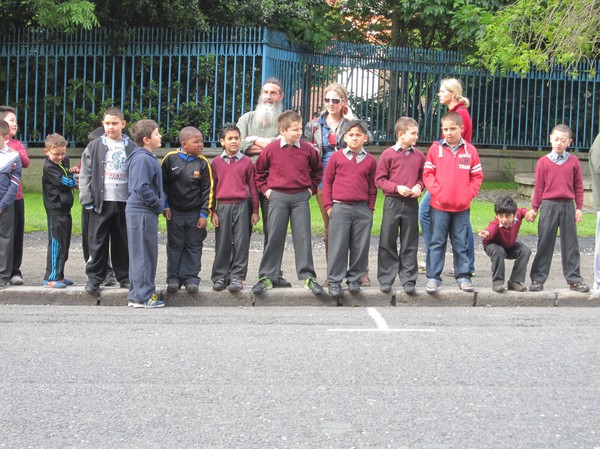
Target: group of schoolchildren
<point>124,188</point>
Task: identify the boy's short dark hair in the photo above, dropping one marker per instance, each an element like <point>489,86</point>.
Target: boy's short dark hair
<point>275,81</point>
<point>505,204</point>
<point>404,123</point>
<point>562,128</point>
<point>95,133</point>
<point>452,117</point>
<point>113,110</point>
<point>229,127</point>
<point>285,120</point>
<point>55,141</point>
<point>187,132</point>
<point>4,129</point>
<point>5,110</point>
<point>355,124</point>
<point>141,129</point>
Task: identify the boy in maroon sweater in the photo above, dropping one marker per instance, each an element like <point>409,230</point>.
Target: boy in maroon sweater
<point>500,242</point>
<point>349,195</point>
<point>559,194</point>
<point>400,177</point>
<point>233,176</point>
<point>288,172</point>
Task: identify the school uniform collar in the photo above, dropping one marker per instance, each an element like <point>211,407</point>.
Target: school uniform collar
<point>399,149</point>
<point>558,158</point>
<point>4,149</point>
<point>283,143</point>
<point>500,225</point>
<point>237,155</point>
<point>362,152</point>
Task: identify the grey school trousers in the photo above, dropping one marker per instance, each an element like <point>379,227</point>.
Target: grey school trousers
<point>232,242</point>
<point>283,209</point>
<point>184,248</point>
<point>350,226</point>
<point>555,215</point>
<point>519,252</point>
<point>7,221</point>
<point>142,241</point>
<point>400,217</point>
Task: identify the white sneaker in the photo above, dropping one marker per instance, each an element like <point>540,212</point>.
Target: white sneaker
<point>16,280</point>
<point>467,287</point>
<point>431,286</point>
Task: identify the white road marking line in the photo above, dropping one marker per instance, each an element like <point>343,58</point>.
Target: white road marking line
<point>382,326</point>
<point>381,330</point>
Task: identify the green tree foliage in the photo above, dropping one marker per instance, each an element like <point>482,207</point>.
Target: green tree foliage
<point>530,33</point>
<point>439,24</point>
<point>65,15</point>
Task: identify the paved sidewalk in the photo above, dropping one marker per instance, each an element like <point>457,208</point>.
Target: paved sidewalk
<point>556,291</point>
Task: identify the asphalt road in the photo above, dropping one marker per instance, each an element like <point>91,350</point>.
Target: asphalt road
<point>299,377</point>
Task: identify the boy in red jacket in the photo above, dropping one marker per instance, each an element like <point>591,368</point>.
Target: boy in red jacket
<point>559,194</point>
<point>500,242</point>
<point>453,176</point>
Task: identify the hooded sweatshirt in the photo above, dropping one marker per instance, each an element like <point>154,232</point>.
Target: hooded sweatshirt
<point>145,182</point>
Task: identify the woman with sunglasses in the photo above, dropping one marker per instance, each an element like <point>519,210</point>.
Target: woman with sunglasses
<point>325,133</point>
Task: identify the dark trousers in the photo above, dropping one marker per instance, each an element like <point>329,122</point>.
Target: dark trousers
<point>142,238</point>
<point>264,211</point>
<point>519,252</point>
<point>7,234</point>
<point>556,215</point>
<point>348,255</point>
<point>19,230</point>
<point>232,242</point>
<point>283,209</point>
<point>184,248</point>
<point>106,228</point>
<point>59,241</point>
<point>400,218</point>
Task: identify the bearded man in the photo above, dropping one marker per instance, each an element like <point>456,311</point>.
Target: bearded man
<point>259,128</point>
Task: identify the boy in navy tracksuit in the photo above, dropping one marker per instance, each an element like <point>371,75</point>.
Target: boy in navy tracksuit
<point>400,177</point>
<point>233,175</point>
<point>144,205</point>
<point>188,186</point>
<point>10,177</point>
<point>349,195</point>
<point>57,189</point>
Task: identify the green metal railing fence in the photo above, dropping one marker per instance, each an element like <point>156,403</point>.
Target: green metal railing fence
<point>62,83</point>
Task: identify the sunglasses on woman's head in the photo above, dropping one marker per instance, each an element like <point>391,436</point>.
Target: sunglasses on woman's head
<point>333,100</point>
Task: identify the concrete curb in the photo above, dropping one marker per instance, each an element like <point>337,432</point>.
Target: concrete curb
<point>294,297</point>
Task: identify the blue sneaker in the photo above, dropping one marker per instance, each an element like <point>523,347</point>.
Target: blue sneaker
<point>54,284</point>
<point>67,281</point>
<point>153,302</point>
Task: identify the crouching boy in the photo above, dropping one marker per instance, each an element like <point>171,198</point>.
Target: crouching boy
<point>500,243</point>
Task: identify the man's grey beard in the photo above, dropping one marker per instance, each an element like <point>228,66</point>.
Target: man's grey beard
<point>267,114</point>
